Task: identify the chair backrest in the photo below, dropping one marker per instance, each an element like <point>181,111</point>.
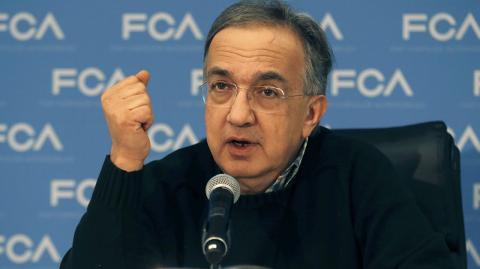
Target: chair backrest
<point>425,155</point>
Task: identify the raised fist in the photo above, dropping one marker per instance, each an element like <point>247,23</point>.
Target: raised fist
<point>129,114</point>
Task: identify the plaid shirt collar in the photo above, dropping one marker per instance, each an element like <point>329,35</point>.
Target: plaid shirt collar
<point>286,177</point>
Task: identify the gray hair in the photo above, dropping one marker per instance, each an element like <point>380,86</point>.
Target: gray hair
<point>318,54</point>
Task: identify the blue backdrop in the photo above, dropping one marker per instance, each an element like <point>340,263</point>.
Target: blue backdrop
<point>397,62</point>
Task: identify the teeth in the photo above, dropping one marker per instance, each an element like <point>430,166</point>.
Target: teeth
<point>240,143</point>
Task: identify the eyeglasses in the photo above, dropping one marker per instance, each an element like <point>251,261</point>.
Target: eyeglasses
<point>268,99</point>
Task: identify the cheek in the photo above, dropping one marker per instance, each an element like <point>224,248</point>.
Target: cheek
<point>284,131</point>
<point>209,121</point>
<point>214,123</point>
<point>276,134</point>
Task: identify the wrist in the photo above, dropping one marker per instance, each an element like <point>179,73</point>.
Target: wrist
<point>125,163</point>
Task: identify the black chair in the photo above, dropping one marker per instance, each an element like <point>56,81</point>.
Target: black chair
<point>425,155</point>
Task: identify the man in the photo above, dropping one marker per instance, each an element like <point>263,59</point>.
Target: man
<point>309,199</point>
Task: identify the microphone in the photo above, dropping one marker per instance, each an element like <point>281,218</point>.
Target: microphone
<point>222,192</point>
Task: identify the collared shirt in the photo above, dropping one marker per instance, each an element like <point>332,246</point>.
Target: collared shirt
<point>284,179</point>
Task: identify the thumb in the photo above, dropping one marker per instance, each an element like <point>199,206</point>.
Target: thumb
<point>143,76</point>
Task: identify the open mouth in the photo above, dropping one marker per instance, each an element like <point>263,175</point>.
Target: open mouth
<point>239,143</point>
<point>240,147</point>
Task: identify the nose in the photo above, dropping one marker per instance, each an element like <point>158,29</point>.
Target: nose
<point>241,114</point>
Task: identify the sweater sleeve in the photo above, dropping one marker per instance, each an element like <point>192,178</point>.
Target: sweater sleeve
<point>392,231</point>
<point>99,237</point>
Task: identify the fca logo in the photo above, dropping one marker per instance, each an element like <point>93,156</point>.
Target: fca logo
<point>380,85</point>
<point>171,140</point>
<point>67,189</point>
<point>90,81</point>
<point>441,26</point>
<point>20,248</point>
<point>22,137</point>
<point>15,25</point>
<point>140,22</point>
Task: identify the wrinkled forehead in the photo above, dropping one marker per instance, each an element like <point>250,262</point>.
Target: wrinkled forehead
<point>246,51</point>
<point>256,25</point>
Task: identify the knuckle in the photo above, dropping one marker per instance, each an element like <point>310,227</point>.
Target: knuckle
<point>131,78</point>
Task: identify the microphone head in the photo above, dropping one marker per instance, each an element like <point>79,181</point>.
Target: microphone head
<point>223,181</point>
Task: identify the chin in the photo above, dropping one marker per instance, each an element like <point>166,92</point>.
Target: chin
<point>239,171</point>
<point>243,171</point>
<point>241,167</point>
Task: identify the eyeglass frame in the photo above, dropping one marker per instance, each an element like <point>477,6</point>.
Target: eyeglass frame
<point>205,88</point>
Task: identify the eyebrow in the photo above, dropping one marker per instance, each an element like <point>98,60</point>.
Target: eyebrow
<point>270,75</point>
<point>259,76</point>
<point>218,71</point>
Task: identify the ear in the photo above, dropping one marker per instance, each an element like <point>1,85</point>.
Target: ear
<point>316,108</point>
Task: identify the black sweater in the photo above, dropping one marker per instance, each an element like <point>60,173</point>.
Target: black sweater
<point>345,208</point>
